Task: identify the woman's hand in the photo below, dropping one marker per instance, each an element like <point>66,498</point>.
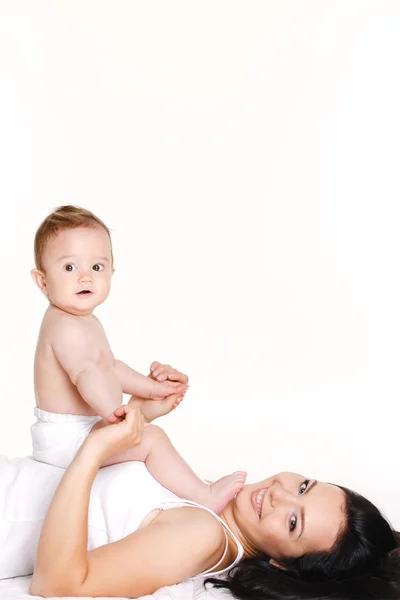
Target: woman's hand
<point>124,433</point>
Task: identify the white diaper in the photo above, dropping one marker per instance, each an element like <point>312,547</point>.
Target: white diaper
<point>56,438</point>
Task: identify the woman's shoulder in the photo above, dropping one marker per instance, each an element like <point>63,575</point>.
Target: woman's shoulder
<point>194,517</point>
<point>203,529</point>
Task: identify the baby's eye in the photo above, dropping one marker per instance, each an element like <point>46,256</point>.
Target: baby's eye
<point>97,267</point>
<point>69,267</point>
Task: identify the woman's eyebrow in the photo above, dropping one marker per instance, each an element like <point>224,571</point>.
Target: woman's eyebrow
<point>302,515</point>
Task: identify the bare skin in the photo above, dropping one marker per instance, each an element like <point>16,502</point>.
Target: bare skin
<point>174,544</point>
<point>54,389</point>
<point>77,373</point>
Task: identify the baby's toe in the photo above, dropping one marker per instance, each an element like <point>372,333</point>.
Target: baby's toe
<point>240,476</point>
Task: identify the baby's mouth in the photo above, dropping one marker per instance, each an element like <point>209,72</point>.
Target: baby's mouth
<point>84,292</point>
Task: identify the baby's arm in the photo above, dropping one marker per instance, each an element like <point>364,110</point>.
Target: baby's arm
<point>139,385</point>
<point>97,384</point>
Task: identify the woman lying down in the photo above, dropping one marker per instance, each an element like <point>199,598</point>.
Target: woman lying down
<point>118,532</point>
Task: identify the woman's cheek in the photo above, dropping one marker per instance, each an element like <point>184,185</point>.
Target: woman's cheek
<point>272,535</point>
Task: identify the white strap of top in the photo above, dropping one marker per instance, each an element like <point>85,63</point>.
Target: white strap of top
<point>178,503</point>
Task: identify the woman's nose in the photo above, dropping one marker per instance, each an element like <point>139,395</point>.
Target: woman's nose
<point>278,494</point>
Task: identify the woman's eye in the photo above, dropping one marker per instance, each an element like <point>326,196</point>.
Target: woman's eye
<point>304,486</point>
<point>293,518</point>
<point>97,267</point>
<point>292,523</point>
<point>69,267</point>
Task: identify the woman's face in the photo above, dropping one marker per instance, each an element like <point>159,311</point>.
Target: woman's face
<point>288,515</point>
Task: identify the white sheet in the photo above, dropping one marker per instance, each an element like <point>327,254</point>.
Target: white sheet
<point>17,589</point>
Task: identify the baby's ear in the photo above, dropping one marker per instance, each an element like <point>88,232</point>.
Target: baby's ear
<point>113,271</point>
<point>40,280</point>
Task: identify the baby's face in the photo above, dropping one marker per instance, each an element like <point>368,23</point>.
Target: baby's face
<point>78,269</point>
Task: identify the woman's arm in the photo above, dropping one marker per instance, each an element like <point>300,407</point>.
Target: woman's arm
<point>178,543</point>
<point>61,560</point>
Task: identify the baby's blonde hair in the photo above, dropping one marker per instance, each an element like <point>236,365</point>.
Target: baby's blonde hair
<point>64,217</point>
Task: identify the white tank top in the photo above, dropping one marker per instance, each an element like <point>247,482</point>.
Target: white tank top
<point>122,496</point>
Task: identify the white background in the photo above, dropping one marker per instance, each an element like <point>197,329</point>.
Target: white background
<point>246,156</point>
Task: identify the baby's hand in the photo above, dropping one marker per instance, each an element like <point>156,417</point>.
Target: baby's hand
<point>169,389</point>
<point>162,390</point>
<point>161,372</point>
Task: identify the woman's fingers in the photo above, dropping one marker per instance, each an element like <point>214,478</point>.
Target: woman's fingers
<point>125,430</point>
<point>178,401</point>
<point>123,412</point>
<point>112,419</point>
<point>132,425</point>
<point>130,416</point>
<point>118,414</point>
<point>136,423</point>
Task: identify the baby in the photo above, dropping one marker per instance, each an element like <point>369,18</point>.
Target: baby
<point>78,382</point>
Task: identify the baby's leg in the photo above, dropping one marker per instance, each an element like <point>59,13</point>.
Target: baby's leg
<point>168,468</point>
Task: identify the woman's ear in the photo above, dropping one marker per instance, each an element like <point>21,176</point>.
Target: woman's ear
<point>276,564</point>
<point>40,280</point>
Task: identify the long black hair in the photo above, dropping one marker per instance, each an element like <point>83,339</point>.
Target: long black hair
<point>363,564</point>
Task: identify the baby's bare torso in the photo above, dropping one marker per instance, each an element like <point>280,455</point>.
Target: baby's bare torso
<point>54,390</point>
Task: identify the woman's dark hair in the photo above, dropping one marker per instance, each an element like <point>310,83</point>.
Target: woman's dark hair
<point>363,564</point>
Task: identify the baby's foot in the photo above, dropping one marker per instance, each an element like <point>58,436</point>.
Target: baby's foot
<point>223,490</point>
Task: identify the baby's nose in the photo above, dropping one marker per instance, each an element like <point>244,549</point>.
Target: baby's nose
<point>85,276</point>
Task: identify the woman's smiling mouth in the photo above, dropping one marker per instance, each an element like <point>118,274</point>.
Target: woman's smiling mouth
<point>257,500</point>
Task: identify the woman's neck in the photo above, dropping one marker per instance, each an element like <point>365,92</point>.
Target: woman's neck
<point>228,517</point>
